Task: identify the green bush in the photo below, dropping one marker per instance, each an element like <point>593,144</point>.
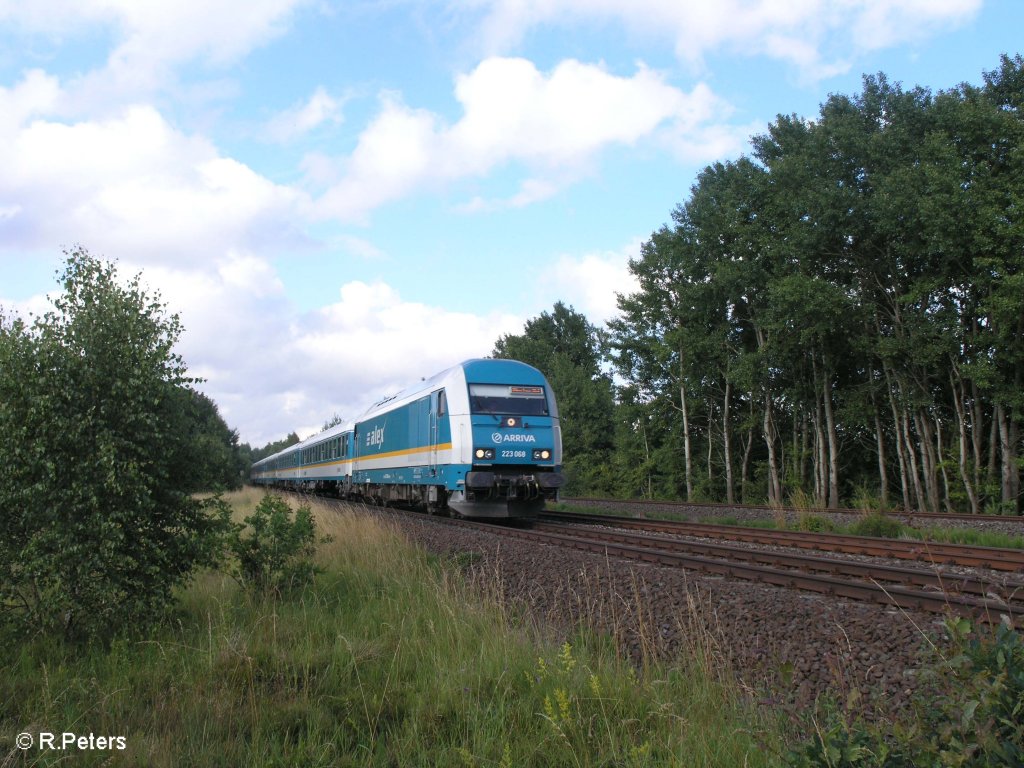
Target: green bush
<point>878,525</point>
<point>274,547</point>
<point>813,523</point>
<point>98,524</point>
<point>971,717</point>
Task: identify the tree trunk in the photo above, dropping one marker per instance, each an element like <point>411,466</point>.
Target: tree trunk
<point>1010,478</point>
<point>647,462</point>
<point>942,466</point>
<point>900,448</point>
<point>833,444</point>
<point>977,439</point>
<point>686,440</point>
<point>993,445</point>
<point>745,471</point>
<point>730,495</point>
<point>820,461</point>
<point>711,445</point>
<point>804,448</point>
<point>883,474</point>
<point>774,489</point>
<point>957,389</point>
<point>920,501</point>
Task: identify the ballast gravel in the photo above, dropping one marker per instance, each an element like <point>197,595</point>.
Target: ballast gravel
<point>788,647</point>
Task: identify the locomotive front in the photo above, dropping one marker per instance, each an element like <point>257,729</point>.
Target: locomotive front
<point>515,442</point>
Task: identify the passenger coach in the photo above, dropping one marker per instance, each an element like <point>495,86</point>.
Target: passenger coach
<point>481,439</point>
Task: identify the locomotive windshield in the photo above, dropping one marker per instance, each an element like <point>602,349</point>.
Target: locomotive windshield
<point>508,400</point>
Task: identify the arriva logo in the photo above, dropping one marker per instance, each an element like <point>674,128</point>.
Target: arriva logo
<point>501,437</point>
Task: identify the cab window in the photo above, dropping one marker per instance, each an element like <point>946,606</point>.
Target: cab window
<point>508,399</point>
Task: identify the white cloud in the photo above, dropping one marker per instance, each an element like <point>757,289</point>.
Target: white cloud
<point>157,34</point>
<point>129,184</point>
<point>274,369</point>
<point>555,123</point>
<point>590,282</point>
<point>38,93</point>
<point>395,152</point>
<point>530,191</point>
<point>306,116</point>
<point>816,36</point>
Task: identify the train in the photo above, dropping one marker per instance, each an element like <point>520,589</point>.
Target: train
<point>479,440</point>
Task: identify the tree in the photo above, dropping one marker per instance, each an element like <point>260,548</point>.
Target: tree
<point>334,421</point>
<point>214,460</point>
<point>256,454</point>
<point>568,350</point>
<point>854,293</point>
<point>97,524</point>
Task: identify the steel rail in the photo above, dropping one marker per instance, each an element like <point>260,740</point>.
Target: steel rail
<point>996,558</point>
<point>719,505</point>
<point>945,582</point>
<point>981,608</point>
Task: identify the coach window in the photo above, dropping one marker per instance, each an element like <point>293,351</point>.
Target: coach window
<point>442,403</point>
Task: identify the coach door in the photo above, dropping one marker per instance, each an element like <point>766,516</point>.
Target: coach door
<point>438,406</point>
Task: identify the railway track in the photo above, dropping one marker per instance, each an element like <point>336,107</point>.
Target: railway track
<point>920,589</point>
<point>910,589</point>
<point>971,556</point>
<point>930,579</point>
<point>723,508</point>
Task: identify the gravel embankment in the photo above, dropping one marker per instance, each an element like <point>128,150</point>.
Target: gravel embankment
<point>796,645</point>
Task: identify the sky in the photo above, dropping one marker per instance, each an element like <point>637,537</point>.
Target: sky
<point>342,198</point>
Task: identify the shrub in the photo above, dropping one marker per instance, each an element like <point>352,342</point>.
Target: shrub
<point>972,716</point>
<point>813,523</point>
<point>274,547</point>
<point>97,522</point>
<point>877,524</point>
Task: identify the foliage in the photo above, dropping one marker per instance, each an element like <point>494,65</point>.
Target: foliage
<point>256,454</point>
<point>568,351</point>
<point>334,421</point>
<point>274,552</point>
<point>97,522</point>
<point>840,310</point>
<point>971,716</point>
<point>216,462</point>
<point>877,525</point>
<point>813,523</point>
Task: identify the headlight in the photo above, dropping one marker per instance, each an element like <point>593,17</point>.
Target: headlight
<point>484,453</point>
<point>541,454</point>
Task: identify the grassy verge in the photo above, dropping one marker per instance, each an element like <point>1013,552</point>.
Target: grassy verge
<point>386,659</point>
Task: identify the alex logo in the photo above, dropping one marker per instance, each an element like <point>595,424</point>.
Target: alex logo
<point>502,437</point>
<point>375,436</point>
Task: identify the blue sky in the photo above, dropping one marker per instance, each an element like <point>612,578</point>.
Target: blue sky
<point>340,198</point>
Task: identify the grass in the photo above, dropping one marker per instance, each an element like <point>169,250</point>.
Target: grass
<point>389,658</point>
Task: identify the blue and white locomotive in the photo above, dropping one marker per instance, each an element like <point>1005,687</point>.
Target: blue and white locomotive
<point>481,439</point>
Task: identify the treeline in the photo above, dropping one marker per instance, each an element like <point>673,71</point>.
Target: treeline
<point>838,318</point>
